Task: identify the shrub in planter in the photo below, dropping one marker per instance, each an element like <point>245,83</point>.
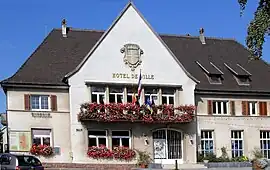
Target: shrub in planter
<point>144,159</point>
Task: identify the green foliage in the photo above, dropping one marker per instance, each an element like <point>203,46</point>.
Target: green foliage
<point>144,158</point>
<point>223,158</point>
<point>257,153</point>
<point>258,28</point>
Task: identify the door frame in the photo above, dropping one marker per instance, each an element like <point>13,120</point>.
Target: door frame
<point>169,161</point>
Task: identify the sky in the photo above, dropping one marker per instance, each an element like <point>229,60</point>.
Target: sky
<point>24,24</point>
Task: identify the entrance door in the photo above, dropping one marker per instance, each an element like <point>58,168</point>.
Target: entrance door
<point>167,146</point>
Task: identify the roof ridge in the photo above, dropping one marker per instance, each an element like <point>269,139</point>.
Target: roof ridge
<point>81,29</point>
<point>191,36</point>
<point>160,34</point>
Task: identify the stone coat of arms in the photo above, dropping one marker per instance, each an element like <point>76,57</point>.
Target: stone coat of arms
<point>132,56</point>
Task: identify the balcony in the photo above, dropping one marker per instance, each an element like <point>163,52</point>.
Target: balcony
<point>118,112</point>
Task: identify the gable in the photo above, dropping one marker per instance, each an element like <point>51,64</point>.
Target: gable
<point>105,62</point>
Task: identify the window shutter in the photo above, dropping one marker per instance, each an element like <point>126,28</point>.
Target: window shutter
<point>209,107</point>
<point>245,108</point>
<point>27,102</point>
<point>232,107</point>
<point>54,102</point>
<point>263,108</point>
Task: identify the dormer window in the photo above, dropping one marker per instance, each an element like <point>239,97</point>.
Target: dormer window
<point>241,75</point>
<point>212,72</point>
<point>214,79</point>
<point>243,80</point>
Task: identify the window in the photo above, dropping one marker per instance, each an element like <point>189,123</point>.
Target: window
<point>130,93</point>
<point>242,80</point>
<point>39,102</point>
<point>42,137</point>
<point>121,138</point>
<point>252,108</point>
<point>237,143</point>
<point>98,94</point>
<point>220,107</point>
<point>214,79</point>
<point>207,141</point>
<point>168,96</point>
<point>97,138</point>
<point>265,143</point>
<point>116,95</point>
<point>151,95</point>
<point>28,161</point>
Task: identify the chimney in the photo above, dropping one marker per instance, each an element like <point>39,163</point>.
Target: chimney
<point>202,38</point>
<point>64,28</point>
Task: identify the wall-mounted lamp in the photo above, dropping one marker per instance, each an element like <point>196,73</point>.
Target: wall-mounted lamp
<point>146,142</point>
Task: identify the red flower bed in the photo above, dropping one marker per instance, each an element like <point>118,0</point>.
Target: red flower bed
<point>102,152</point>
<point>132,112</point>
<point>41,150</point>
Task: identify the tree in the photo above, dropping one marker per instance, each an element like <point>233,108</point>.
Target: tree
<point>258,28</point>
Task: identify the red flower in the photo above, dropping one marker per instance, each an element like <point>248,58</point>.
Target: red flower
<point>120,153</point>
<point>41,150</point>
<point>114,112</point>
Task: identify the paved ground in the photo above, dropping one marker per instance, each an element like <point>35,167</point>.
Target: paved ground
<point>161,169</point>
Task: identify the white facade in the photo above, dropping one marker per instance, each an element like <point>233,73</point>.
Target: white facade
<point>104,67</point>
<point>106,62</point>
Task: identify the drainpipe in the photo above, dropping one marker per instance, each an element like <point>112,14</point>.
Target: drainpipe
<point>196,125</point>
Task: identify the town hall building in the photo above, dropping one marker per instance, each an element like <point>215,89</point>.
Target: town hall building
<point>130,89</point>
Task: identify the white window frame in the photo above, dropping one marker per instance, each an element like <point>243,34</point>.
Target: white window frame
<point>97,137</point>
<point>215,104</point>
<point>39,104</point>
<point>267,140</point>
<point>123,137</point>
<point>207,140</point>
<point>42,136</point>
<point>116,94</point>
<point>250,108</point>
<point>237,140</point>
<point>151,95</point>
<point>167,97</point>
<point>131,94</point>
<point>98,94</point>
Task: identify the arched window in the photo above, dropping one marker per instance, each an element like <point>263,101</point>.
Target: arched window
<point>167,144</point>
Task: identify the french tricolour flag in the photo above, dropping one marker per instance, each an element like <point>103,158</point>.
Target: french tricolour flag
<point>139,86</point>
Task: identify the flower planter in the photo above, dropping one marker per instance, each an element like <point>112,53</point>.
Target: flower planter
<point>205,161</point>
<point>143,166</point>
<point>118,112</point>
<point>228,164</point>
<point>119,153</point>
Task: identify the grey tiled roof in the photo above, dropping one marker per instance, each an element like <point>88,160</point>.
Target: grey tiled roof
<point>57,56</point>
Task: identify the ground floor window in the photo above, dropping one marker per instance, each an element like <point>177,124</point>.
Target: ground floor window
<point>265,143</point>
<point>97,138</point>
<point>121,138</point>
<point>167,144</point>
<point>237,143</point>
<point>42,137</point>
<point>207,142</point>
